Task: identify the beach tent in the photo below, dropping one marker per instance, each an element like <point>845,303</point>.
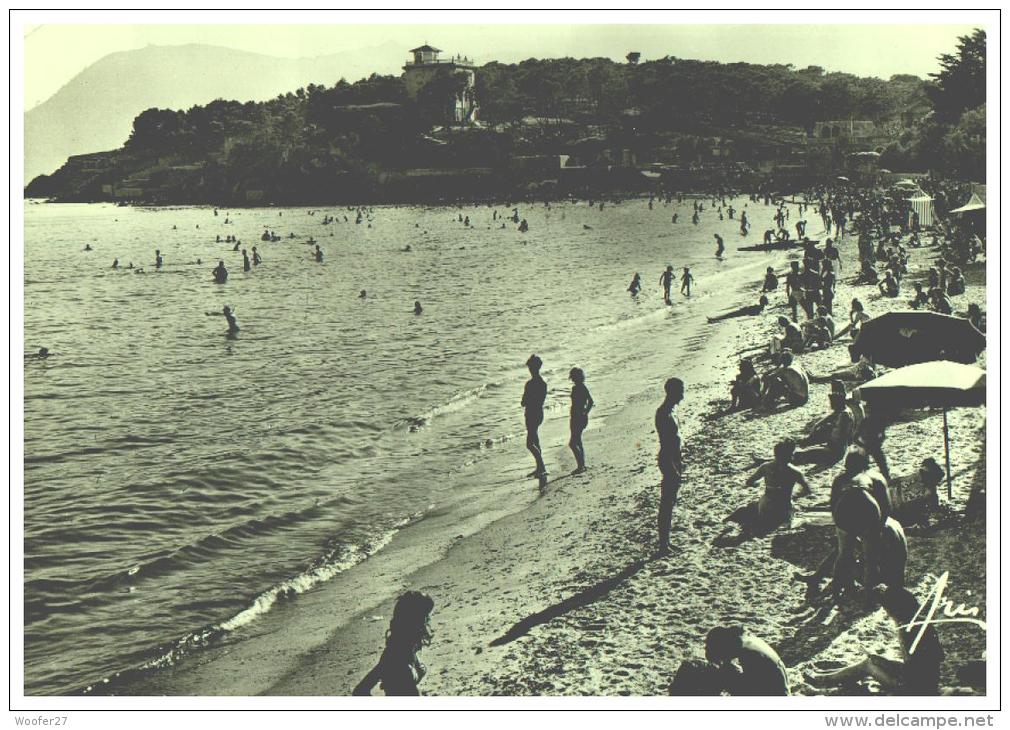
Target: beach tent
<point>923,205</point>
<point>938,384</point>
<point>974,204</point>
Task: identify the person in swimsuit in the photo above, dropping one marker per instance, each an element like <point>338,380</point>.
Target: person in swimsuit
<point>761,672</point>
<point>229,315</point>
<point>246,265</point>
<point>417,307</point>
<point>751,311</point>
<point>787,382</point>
<point>719,246</point>
<point>666,280</point>
<point>685,282</point>
<point>256,259</point>
<point>220,273</point>
<point>775,506</point>
<point>835,433</point>
<point>534,395</point>
<point>745,390</point>
<point>859,505</point>
<point>893,557</point>
<point>669,459</point>
<point>582,403</point>
<point>771,282</point>
<point>319,254</point>
<point>636,285</point>
<point>399,670</point>
<point>918,674</point>
<point>158,260</point>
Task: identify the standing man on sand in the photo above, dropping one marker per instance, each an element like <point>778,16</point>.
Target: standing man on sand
<point>534,395</point>
<point>671,464</point>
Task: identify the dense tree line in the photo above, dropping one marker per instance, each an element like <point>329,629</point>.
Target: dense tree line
<point>346,136</point>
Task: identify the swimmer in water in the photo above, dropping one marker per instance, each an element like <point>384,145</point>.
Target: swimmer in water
<point>115,263</point>
<point>220,273</point>
<point>636,285</point>
<point>158,260</point>
<point>246,266</point>
<point>87,247</point>
<point>229,315</point>
<point>42,354</point>
<point>319,254</point>
<point>257,260</point>
<point>363,294</point>
<point>417,307</point>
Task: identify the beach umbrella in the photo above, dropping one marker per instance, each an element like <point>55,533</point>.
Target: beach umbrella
<point>937,384</point>
<point>896,339</point>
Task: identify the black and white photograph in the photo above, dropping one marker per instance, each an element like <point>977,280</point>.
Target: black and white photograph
<point>523,357</point>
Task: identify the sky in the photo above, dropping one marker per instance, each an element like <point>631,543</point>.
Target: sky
<point>55,52</point>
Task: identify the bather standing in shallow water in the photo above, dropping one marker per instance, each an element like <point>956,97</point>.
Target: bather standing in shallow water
<point>534,395</point>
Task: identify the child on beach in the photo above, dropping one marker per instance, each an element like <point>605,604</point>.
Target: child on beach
<point>399,670</point>
<point>666,280</point>
<point>685,282</point>
<point>582,403</point>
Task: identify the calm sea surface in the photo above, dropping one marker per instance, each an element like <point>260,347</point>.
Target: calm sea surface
<point>177,481</point>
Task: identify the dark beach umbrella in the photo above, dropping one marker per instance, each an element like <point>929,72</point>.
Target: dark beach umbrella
<point>938,384</point>
<point>896,339</point>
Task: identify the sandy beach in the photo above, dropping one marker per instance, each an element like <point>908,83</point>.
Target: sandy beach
<point>564,596</point>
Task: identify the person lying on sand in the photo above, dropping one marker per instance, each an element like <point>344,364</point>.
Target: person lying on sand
<point>751,311</point>
<point>857,372</point>
<point>775,506</point>
<point>399,671</point>
<point>917,674</point>
<point>757,672</point>
<point>834,433</point>
<point>787,382</point>
<point>745,390</point>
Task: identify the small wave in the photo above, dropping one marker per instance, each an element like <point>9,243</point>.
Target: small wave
<point>324,568</point>
<point>457,403</point>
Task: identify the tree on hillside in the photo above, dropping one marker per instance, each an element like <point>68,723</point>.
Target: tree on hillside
<point>960,84</point>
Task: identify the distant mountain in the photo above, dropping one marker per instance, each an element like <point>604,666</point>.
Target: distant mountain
<point>95,110</point>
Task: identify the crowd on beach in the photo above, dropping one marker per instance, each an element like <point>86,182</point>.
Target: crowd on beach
<point>869,508</point>
<point>871,549</point>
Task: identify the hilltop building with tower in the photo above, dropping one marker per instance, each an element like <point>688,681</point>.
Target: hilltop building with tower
<point>425,67</point>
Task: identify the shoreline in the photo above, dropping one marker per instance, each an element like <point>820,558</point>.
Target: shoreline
<point>558,596</point>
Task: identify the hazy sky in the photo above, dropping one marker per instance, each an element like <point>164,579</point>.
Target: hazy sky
<point>55,53</point>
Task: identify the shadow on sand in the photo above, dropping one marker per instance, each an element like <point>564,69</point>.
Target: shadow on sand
<point>580,599</point>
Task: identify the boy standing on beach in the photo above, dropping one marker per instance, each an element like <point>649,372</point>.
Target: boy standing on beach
<point>685,281</point>
<point>670,461</point>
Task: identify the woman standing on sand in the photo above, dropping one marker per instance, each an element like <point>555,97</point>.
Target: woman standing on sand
<point>582,403</point>
<point>399,670</point>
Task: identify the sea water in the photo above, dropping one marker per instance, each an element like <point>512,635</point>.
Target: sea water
<point>178,481</point>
